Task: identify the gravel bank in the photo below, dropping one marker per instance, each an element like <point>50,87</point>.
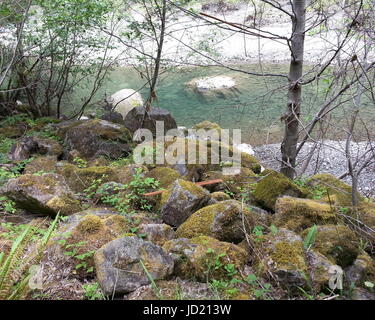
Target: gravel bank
<point>328,157</point>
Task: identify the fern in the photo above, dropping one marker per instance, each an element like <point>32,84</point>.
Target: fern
<point>14,267</point>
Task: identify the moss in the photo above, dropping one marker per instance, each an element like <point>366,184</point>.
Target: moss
<point>275,185</point>
<point>187,186</point>
<point>165,176</point>
<point>89,234</point>
<point>220,196</point>
<point>90,224</point>
<point>289,255</point>
<point>334,190</point>
<point>223,221</point>
<point>197,257</point>
<point>337,242</point>
<point>80,179</point>
<point>298,214</point>
<point>44,164</point>
<point>64,204</point>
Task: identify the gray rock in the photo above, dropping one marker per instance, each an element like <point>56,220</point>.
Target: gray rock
<point>157,233</point>
<point>24,148</point>
<point>94,138</point>
<point>136,119</point>
<point>181,200</point>
<point>118,266</point>
<point>45,194</point>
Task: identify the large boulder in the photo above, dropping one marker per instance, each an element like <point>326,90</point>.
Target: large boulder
<point>125,100</point>
<point>337,242</point>
<point>298,214</point>
<point>224,221</point>
<point>42,194</point>
<point>137,118</point>
<point>94,138</point>
<point>125,264</point>
<point>272,186</point>
<point>181,200</point>
<point>197,257</point>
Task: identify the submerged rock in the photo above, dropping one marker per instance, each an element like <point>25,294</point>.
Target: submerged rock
<point>45,194</point>
<point>224,221</point>
<point>125,264</point>
<point>181,200</point>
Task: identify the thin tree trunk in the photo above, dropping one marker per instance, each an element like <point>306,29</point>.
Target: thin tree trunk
<point>291,118</point>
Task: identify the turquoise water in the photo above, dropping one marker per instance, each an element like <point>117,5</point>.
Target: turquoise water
<point>255,108</point>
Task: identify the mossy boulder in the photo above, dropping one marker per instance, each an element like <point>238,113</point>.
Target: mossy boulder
<point>126,173</point>
<point>197,257</point>
<point>166,176</point>
<point>331,189</point>
<point>273,186</point>
<point>337,242</point>
<point>195,161</point>
<point>156,233</point>
<point>365,213</point>
<point>298,214</point>
<point>125,264</point>
<point>41,164</point>
<point>224,221</point>
<point>220,196</point>
<point>94,138</point>
<point>242,183</point>
<point>321,270</point>
<point>80,179</point>
<point>282,255</point>
<point>83,234</point>
<point>42,194</point>
<point>180,200</point>
<point>362,269</point>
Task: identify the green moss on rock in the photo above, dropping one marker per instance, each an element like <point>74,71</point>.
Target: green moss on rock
<point>166,176</point>
<point>224,221</point>
<point>273,186</point>
<point>335,191</point>
<point>298,214</point>
<point>337,242</point>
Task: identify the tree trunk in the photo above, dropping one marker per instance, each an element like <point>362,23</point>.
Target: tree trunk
<point>291,118</point>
